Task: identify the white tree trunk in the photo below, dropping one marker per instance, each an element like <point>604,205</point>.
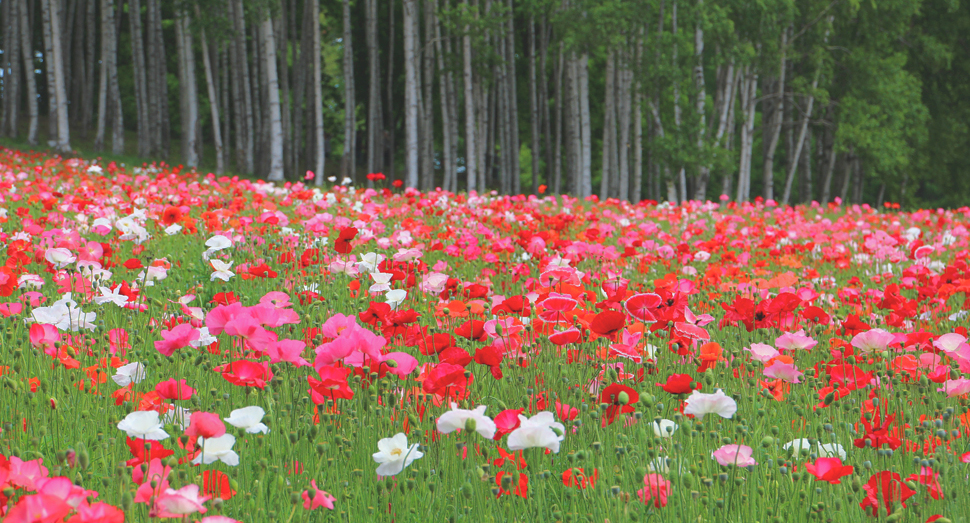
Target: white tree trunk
<point>586,128</point>
<point>317,81</point>
<point>56,69</point>
<point>411,93</point>
<point>471,146</point>
<point>141,85</point>
<point>189,92</point>
<point>609,127</point>
<point>27,49</point>
<point>273,105</point>
<point>374,125</point>
<point>213,105</point>
<point>774,127</point>
<point>350,102</point>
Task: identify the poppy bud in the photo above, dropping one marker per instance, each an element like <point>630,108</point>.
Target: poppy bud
<point>471,424</point>
<point>623,398</point>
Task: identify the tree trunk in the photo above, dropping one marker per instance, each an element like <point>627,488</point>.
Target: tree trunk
<point>390,121</point>
<point>704,170</point>
<point>282,60</point>
<point>575,131</point>
<point>609,126</point>
<point>426,105</point>
<point>774,128</point>
<point>533,107</point>
<point>848,171</point>
<point>213,104</point>
<point>374,111</point>
<point>273,101</point>
<point>141,86</point>
<point>471,146</point>
<point>586,128</point>
<point>350,103</point>
<point>27,50</point>
<point>188,90</point>
<point>114,93</point>
<point>90,60</point>
<point>800,141</point>
<point>447,117</point>
<point>513,101</point>
<point>748,106</point>
<point>411,108</point>
<point>63,144</point>
<point>241,70</point>
<point>624,79</point>
<point>157,80</point>
<point>546,127</point>
<point>317,82</point>
<point>11,67</point>
<point>637,173</point>
<point>560,98</point>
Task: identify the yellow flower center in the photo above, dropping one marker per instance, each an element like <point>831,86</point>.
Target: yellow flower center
<point>396,452</point>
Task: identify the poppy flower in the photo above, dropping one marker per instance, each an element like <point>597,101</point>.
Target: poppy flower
<point>887,487</point>
<point>828,469</point>
<point>656,490</point>
<point>171,215</point>
<point>442,376</point>
<point>679,384</point>
<point>565,337</point>
<point>608,323</point>
<point>247,373</point>
<point>342,243</point>
<point>216,484</point>
<point>472,330</point>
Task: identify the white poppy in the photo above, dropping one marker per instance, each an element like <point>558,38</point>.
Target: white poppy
<point>395,455</point>
<point>130,373</point>
<point>217,449</point>
<point>537,431</point>
<point>248,418</point>
<point>143,424</point>
<point>458,419</point>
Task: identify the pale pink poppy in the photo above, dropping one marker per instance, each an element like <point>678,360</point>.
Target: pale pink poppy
<point>738,455</point>
<point>951,342</point>
<point>795,341</point>
<point>700,404</point>
<point>873,340</point>
<point>762,352</point>
<point>179,503</point>
<point>957,387</point>
<point>783,371</point>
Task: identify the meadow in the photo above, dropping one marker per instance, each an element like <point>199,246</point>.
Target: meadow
<point>184,346</point>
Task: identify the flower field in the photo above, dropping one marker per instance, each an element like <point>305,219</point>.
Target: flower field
<point>210,349</point>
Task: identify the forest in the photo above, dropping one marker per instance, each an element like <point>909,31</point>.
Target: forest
<point>866,101</point>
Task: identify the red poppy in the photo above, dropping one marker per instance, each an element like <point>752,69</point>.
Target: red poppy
<point>331,385</point>
<point>171,215</point>
<point>262,271</point>
<point>137,447</point>
<point>888,487</point>
<point>216,484</point>
<point>472,330</point>
<point>444,375</point>
<point>608,323</point>
<point>828,469</point>
<point>342,243</point>
<point>679,384</point>
<point>224,298</point>
<point>435,343</point>
<point>247,373</point>
<point>576,477</point>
